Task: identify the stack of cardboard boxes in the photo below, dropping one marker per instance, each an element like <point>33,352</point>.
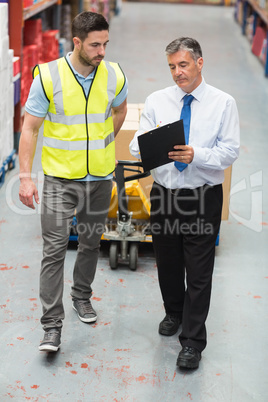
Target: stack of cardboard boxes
<point>126,134</point>
<point>124,137</point>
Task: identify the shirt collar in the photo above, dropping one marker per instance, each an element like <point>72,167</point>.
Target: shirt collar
<point>90,76</point>
<point>197,92</point>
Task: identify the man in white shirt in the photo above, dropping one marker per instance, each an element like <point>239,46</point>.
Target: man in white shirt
<point>186,197</point>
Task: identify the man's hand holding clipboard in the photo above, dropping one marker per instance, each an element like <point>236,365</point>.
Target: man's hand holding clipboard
<point>163,145</point>
<point>182,153</point>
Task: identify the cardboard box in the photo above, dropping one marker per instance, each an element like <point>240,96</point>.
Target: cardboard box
<point>132,115</point>
<point>126,134</point>
<point>123,139</point>
<point>226,193</point>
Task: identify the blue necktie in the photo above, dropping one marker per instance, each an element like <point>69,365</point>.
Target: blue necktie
<point>186,117</point>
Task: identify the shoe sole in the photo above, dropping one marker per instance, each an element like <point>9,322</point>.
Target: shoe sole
<point>168,333</point>
<point>93,319</point>
<point>186,365</point>
<point>49,348</point>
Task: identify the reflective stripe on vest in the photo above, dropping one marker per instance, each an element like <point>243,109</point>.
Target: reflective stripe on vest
<point>78,145</point>
<point>78,130</point>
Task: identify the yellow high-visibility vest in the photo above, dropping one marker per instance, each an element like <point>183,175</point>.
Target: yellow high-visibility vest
<point>78,130</point>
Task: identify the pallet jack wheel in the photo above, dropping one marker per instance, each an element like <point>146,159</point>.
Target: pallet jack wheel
<point>133,256</point>
<point>113,255</point>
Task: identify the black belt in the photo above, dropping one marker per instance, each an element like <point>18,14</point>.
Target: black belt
<point>187,191</point>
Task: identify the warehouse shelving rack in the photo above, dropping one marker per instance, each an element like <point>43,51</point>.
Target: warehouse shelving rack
<point>17,16</point>
<point>8,164</point>
<point>260,16</point>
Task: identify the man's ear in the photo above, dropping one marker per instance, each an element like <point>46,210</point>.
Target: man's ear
<point>77,42</point>
<point>200,63</point>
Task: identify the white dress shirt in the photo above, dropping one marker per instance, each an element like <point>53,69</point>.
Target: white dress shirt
<point>214,134</point>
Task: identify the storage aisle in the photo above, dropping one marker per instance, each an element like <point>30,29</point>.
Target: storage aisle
<point>122,357</point>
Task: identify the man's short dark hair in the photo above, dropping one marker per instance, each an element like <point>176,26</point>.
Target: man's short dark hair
<point>87,22</point>
<point>189,44</point>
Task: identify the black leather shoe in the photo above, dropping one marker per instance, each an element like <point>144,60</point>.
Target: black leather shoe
<point>170,325</point>
<point>188,358</point>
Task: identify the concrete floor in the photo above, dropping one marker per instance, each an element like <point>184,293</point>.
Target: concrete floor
<point>122,357</point>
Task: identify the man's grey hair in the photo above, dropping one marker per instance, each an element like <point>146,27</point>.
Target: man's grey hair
<point>188,44</point>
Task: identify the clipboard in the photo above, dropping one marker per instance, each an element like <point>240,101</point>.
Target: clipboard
<point>157,143</point>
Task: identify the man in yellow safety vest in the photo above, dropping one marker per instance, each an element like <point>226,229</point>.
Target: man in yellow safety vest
<point>82,101</point>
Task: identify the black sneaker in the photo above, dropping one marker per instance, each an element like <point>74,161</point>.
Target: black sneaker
<point>170,325</point>
<point>85,311</point>
<point>51,341</point>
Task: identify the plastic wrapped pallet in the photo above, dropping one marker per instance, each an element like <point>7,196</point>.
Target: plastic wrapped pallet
<point>1,135</point>
<point>4,42</point>
<point>10,64</point>
<point>3,75</point>
<point>3,19</point>
<point>6,88</point>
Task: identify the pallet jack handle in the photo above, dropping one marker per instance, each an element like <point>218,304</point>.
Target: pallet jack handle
<point>120,179</point>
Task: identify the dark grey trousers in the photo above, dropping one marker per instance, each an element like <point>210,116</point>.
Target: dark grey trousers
<point>61,199</point>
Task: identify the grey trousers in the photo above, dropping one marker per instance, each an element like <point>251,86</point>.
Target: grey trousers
<point>61,199</point>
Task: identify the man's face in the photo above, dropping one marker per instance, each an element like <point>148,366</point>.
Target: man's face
<point>185,72</point>
<point>92,50</point>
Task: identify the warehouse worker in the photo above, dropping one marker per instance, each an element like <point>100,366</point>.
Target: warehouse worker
<point>82,101</point>
<point>186,196</point>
